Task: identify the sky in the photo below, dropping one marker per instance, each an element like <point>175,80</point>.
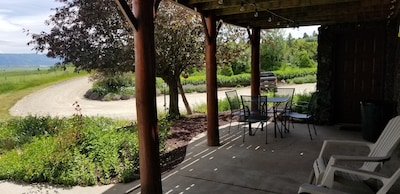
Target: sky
<point>17,15</point>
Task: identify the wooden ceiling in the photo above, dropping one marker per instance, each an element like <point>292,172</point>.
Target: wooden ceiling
<point>268,14</point>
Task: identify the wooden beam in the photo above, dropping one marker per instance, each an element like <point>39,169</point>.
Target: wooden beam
<point>127,12</point>
<point>255,62</point>
<point>145,81</point>
<point>292,12</point>
<point>211,80</point>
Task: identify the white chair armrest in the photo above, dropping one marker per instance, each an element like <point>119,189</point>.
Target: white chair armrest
<point>359,158</point>
<point>334,158</point>
<point>327,143</point>
<point>328,179</point>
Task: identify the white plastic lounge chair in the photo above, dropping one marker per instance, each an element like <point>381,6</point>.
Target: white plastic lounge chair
<point>327,183</point>
<point>380,151</point>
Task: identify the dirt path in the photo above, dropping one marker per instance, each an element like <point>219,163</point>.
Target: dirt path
<point>57,100</point>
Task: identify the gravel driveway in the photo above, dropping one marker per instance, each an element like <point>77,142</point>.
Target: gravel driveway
<point>58,99</point>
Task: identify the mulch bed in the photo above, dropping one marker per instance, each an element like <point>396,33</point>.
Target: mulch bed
<point>181,133</point>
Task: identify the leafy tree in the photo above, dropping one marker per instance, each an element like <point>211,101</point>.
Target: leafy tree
<point>179,46</point>
<point>289,40</point>
<point>303,60</point>
<point>92,35</point>
<point>272,50</point>
<point>232,50</point>
<point>242,63</point>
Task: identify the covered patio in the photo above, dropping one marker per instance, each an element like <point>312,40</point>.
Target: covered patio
<point>358,57</point>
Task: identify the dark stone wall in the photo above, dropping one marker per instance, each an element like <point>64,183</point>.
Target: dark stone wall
<point>325,78</point>
<point>394,59</point>
<point>326,65</point>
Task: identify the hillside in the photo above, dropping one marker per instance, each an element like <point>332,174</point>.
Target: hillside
<point>16,60</point>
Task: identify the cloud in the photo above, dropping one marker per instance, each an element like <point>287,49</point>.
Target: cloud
<point>17,15</point>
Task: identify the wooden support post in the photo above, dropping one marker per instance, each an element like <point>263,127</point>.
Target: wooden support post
<point>145,72</point>
<point>255,61</point>
<point>211,79</point>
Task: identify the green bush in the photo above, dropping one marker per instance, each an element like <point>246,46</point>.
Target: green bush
<point>290,73</point>
<point>303,80</point>
<point>113,84</point>
<point>194,88</point>
<point>71,151</point>
<point>226,70</point>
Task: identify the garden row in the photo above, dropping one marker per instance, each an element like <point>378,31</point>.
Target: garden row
<point>123,87</point>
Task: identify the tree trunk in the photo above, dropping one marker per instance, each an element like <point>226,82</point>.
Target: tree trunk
<point>173,98</point>
<point>188,109</point>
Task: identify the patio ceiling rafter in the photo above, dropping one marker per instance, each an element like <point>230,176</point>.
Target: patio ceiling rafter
<point>294,13</point>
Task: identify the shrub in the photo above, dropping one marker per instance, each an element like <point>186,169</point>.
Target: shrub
<point>303,80</point>
<point>117,87</point>
<point>290,73</point>
<point>194,88</point>
<point>71,151</point>
<point>226,70</point>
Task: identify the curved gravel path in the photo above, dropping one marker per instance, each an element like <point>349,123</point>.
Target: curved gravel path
<point>58,99</point>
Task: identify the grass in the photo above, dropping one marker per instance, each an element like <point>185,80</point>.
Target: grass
<point>15,84</point>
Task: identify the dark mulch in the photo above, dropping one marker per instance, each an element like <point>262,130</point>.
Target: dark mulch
<point>181,133</point>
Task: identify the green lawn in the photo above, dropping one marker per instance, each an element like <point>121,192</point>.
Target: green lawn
<point>15,84</point>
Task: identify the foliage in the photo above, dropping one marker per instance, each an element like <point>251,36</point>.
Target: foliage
<point>70,151</point>
<point>304,60</point>
<point>301,99</point>
<point>91,35</point>
<point>113,84</point>
<point>222,81</point>
<point>223,105</point>
<point>303,80</point>
<point>226,71</point>
<point>95,36</point>
<point>232,45</point>
<point>194,88</point>
<point>242,63</point>
<point>272,50</point>
<point>290,73</point>
<point>302,52</point>
<point>179,46</point>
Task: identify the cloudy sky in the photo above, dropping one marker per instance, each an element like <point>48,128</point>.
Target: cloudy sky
<point>17,15</point>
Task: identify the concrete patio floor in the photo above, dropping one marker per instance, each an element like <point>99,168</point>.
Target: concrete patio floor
<point>280,166</point>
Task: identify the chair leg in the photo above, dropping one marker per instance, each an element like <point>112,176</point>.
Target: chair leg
<point>266,134</point>
<point>285,124</point>
<point>291,120</point>
<point>312,177</point>
<point>315,130</point>
<point>308,126</point>
<point>230,123</point>
<point>244,133</point>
